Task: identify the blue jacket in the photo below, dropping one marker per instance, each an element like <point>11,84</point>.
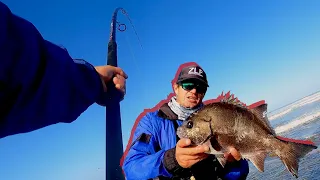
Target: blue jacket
<point>152,152</point>
<point>40,84</point>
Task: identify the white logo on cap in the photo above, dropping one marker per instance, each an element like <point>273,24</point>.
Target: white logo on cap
<point>193,70</point>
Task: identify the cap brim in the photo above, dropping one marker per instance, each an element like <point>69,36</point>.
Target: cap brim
<point>200,80</point>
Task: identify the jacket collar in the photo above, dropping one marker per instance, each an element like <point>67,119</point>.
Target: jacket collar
<point>166,113</point>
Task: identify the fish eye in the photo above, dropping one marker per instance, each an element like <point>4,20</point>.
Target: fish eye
<point>189,125</point>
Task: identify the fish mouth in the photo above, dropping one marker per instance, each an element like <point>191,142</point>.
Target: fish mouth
<point>180,133</point>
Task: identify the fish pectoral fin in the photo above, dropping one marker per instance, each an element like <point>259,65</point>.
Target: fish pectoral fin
<point>257,159</point>
<point>213,151</point>
<point>222,160</point>
<point>218,154</point>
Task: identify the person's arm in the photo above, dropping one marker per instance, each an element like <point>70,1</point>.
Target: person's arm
<point>142,161</point>
<point>40,84</point>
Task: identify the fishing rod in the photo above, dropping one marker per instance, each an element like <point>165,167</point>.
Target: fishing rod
<point>114,146</point>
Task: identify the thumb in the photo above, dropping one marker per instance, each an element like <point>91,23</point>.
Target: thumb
<point>236,155</point>
<point>117,70</point>
<point>183,142</point>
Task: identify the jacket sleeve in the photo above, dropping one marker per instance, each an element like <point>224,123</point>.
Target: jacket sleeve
<point>143,161</point>
<point>40,84</point>
<point>237,170</point>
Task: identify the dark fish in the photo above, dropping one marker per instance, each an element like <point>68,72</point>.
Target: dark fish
<point>228,122</point>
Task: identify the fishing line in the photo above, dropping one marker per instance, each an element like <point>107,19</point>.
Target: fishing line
<point>122,27</point>
<point>127,15</point>
<point>132,54</point>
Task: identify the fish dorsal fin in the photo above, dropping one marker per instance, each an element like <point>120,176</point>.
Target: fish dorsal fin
<point>230,99</point>
<point>260,112</point>
<point>259,109</point>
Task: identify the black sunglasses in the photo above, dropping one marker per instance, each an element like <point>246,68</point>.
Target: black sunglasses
<point>188,86</point>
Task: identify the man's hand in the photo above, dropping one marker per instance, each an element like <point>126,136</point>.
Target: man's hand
<point>119,77</point>
<point>188,156</point>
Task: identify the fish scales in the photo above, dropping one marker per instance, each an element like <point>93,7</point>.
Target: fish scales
<point>228,123</point>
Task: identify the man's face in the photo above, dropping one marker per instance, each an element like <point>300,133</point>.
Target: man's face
<point>190,93</point>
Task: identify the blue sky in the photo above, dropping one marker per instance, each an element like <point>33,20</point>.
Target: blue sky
<point>259,50</point>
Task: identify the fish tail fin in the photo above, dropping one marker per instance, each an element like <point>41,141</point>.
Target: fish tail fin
<point>291,152</point>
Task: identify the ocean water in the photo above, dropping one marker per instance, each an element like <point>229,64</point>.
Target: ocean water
<point>302,123</point>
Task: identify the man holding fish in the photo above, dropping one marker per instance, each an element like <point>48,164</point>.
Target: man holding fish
<point>158,153</point>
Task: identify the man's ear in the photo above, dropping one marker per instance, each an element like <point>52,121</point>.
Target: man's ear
<point>175,88</point>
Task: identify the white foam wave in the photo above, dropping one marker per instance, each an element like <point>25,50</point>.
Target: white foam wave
<point>297,122</point>
<point>302,102</point>
<point>282,113</point>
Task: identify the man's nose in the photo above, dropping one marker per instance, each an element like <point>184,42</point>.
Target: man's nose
<point>194,90</point>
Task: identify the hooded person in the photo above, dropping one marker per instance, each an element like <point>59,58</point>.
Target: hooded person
<point>157,152</point>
